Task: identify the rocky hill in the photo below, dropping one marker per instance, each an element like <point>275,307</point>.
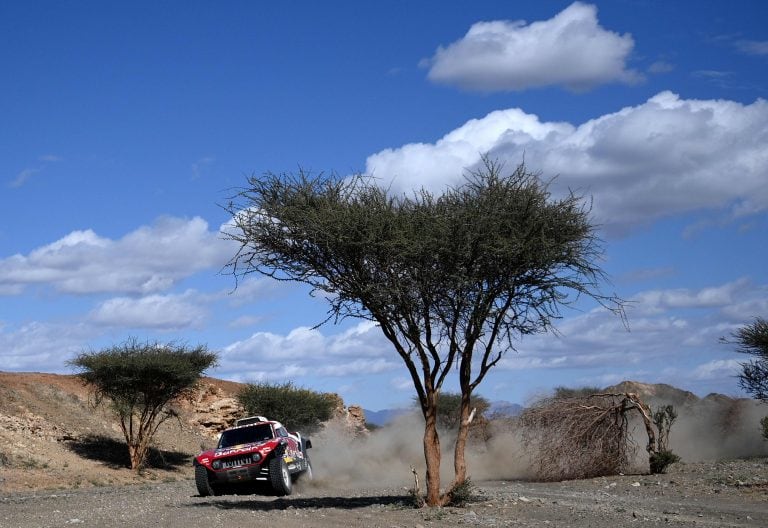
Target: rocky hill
<point>51,434</point>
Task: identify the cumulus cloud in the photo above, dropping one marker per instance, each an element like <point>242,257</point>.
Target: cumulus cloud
<point>359,350</point>
<point>166,312</point>
<point>147,260</point>
<point>570,49</point>
<point>717,368</point>
<point>656,301</point>
<point>663,157</point>
<point>36,346</point>
<point>673,337</point>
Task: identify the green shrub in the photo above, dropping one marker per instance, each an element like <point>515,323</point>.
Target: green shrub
<point>764,426</point>
<point>564,393</point>
<point>463,493</point>
<point>661,460</point>
<point>449,406</point>
<point>297,408</point>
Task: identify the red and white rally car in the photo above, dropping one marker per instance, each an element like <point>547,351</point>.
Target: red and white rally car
<point>255,449</point>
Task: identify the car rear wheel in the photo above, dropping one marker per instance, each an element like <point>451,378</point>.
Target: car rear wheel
<point>280,477</point>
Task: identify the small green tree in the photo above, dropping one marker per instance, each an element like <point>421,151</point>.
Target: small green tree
<point>564,393</point>
<point>140,381</point>
<point>663,418</point>
<point>297,408</point>
<point>449,407</point>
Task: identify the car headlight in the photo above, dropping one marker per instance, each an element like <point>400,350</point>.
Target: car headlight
<point>256,457</point>
<point>216,464</point>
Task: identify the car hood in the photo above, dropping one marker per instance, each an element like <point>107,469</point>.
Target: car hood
<point>262,447</point>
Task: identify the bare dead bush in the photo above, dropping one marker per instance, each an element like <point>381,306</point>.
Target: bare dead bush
<point>583,437</point>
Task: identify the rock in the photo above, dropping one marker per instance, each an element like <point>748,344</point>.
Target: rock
<point>349,419</point>
<point>212,411</point>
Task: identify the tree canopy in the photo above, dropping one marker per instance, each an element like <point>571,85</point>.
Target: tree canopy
<point>452,280</point>
<point>752,339</point>
<point>297,408</point>
<point>140,380</point>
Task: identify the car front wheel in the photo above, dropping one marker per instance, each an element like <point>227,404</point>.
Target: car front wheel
<point>202,482</point>
<point>280,477</point>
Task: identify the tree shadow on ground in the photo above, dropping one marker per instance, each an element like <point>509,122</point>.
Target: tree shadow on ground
<point>114,453</point>
<point>346,503</point>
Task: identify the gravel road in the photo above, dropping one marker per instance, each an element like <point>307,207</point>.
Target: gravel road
<point>719,494</point>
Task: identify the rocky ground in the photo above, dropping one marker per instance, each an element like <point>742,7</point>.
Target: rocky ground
<point>731,493</point>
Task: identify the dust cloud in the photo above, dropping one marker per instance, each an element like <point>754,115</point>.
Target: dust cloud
<point>712,428</point>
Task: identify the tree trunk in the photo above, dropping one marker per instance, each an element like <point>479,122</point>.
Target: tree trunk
<point>459,460</point>
<point>136,455</point>
<point>432,455</point>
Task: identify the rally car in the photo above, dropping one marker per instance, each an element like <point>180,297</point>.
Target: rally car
<point>255,449</point>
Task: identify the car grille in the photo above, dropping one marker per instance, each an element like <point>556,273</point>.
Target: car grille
<point>236,462</point>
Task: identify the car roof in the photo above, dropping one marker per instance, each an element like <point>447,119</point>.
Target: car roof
<point>273,423</point>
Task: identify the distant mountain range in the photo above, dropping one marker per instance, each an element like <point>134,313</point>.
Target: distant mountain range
<point>651,393</point>
<point>385,416</point>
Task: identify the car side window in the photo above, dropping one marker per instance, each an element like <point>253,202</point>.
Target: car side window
<point>282,432</point>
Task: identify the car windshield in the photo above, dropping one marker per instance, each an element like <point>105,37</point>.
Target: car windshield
<point>245,435</point>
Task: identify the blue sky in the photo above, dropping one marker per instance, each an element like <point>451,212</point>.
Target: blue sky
<point>123,127</point>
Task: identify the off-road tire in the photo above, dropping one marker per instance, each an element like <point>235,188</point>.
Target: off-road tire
<point>307,473</point>
<point>280,477</point>
<point>204,487</point>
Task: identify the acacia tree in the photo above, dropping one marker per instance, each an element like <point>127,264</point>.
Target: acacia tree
<point>139,381</point>
<point>452,280</point>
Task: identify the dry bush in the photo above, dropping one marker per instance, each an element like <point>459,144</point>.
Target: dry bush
<point>582,437</point>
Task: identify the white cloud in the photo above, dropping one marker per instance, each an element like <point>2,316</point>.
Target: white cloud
<point>22,178</point>
<point>167,312</point>
<point>716,369</point>
<point>359,350</point>
<point>663,331</point>
<point>149,259</point>
<point>666,156</point>
<point>357,366</point>
<point>753,47</point>
<point>401,384</point>
<point>246,291</point>
<point>656,301</point>
<point>37,346</point>
<point>570,49</point>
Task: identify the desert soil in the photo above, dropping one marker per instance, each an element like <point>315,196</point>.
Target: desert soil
<point>730,493</point>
